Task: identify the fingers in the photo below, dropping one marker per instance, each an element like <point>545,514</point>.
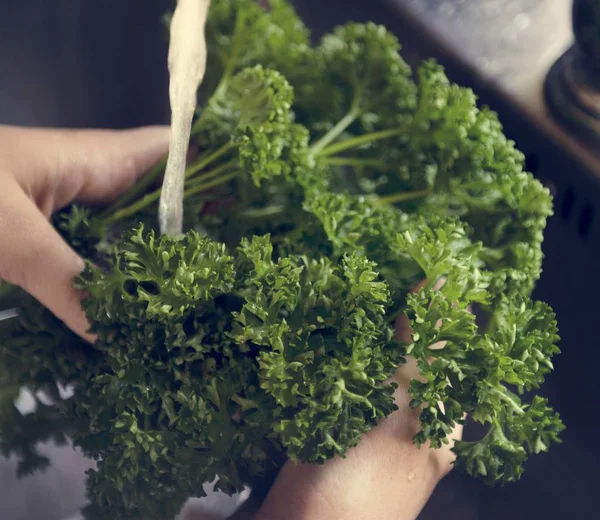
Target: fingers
<point>112,161</point>
<point>35,258</point>
<point>88,165</point>
<point>406,373</point>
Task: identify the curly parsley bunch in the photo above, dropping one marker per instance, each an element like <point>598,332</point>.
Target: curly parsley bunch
<point>330,183</point>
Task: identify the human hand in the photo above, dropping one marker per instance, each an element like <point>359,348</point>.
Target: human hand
<point>43,170</point>
<point>385,477</point>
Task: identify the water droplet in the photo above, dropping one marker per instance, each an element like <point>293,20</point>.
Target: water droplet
<point>44,398</point>
<point>25,402</point>
<point>66,392</point>
<point>11,313</point>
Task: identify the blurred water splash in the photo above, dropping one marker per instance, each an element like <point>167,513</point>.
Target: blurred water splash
<point>7,314</point>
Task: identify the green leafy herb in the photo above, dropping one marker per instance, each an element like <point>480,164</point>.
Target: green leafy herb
<point>331,183</point>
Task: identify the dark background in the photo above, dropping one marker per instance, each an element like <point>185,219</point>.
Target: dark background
<point>76,63</point>
<point>83,63</point>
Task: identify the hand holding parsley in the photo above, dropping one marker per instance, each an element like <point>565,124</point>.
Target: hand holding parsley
<point>42,171</point>
<point>330,182</point>
<point>385,477</point>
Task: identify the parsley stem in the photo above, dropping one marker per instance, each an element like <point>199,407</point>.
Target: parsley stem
<point>513,405</point>
<point>200,187</point>
<point>396,314</point>
<point>355,142</point>
<point>203,161</point>
<point>140,187</point>
<point>262,212</point>
<point>334,132</point>
<point>212,173</point>
<point>199,184</point>
<point>121,207</point>
<point>402,196</point>
<point>197,126</point>
<point>354,161</point>
<point>132,209</point>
